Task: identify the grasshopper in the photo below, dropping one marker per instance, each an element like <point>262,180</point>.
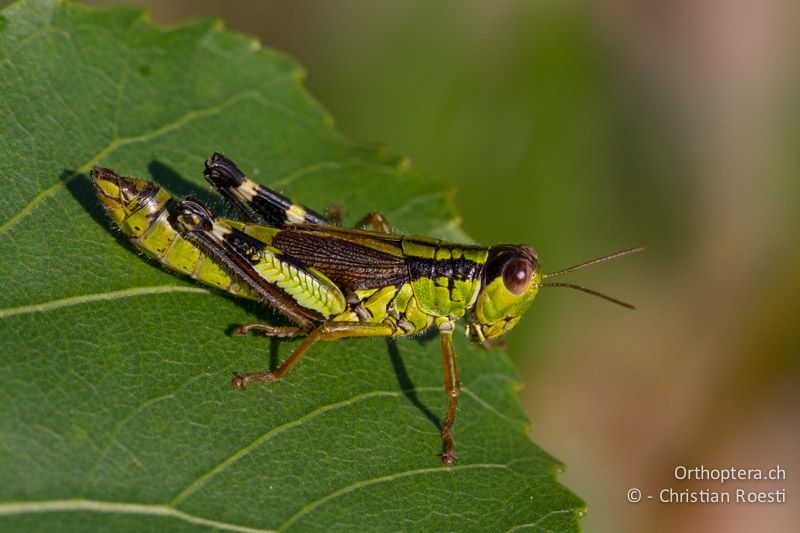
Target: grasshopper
<point>331,282</point>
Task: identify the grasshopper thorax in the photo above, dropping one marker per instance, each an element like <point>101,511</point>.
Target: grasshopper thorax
<point>511,279</point>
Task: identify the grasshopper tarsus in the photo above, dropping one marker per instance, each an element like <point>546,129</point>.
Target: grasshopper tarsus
<point>497,343</point>
<point>240,381</point>
<point>449,455</point>
<point>335,213</point>
<point>448,444</point>
<point>283,332</point>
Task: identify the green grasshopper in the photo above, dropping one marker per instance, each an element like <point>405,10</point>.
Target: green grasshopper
<point>331,282</point>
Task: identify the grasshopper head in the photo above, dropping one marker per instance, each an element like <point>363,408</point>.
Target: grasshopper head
<point>511,279</point>
<point>124,199</point>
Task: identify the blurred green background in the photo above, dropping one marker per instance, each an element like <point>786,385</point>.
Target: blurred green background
<point>581,128</point>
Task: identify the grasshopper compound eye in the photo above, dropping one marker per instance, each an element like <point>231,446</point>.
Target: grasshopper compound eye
<point>517,275</point>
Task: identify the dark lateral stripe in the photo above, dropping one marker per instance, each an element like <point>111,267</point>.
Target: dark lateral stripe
<point>244,244</point>
<point>461,269</point>
<point>436,259</point>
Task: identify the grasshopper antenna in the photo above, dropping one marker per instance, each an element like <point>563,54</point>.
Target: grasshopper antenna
<point>590,291</point>
<point>585,264</point>
<point>590,262</point>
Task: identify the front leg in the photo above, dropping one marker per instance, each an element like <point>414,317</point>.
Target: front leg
<point>452,386</point>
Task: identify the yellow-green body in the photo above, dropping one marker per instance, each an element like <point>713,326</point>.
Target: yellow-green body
<point>312,271</point>
<point>442,280</point>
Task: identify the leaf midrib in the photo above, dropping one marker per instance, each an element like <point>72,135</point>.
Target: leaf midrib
<point>100,506</point>
<point>60,303</point>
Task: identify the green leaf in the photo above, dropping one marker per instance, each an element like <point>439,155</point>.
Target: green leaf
<point>117,409</point>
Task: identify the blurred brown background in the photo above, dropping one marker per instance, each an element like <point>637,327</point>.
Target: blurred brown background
<point>584,127</point>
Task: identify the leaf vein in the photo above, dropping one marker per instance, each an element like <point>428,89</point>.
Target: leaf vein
<point>98,506</point>
<point>307,508</point>
<point>239,454</point>
<point>122,83</point>
<point>113,438</point>
<point>96,297</point>
<point>323,165</point>
<point>486,405</point>
<point>421,199</point>
<point>119,142</point>
<point>540,520</point>
<point>31,37</point>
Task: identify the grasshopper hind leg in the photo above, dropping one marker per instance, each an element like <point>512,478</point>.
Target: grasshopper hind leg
<point>325,331</point>
<point>255,202</point>
<point>240,381</point>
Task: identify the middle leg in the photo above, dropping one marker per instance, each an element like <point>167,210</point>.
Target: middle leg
<point>452,386</point>
<point>377,220</point>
